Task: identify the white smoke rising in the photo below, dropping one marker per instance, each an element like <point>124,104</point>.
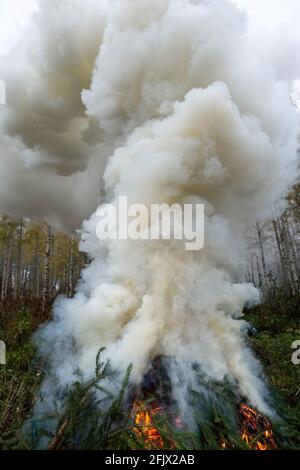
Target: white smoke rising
<point>189,113</point>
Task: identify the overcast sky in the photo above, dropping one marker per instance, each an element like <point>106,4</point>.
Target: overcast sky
<point>273,24</point>
<point>13,15</point>
<point>267,13</point>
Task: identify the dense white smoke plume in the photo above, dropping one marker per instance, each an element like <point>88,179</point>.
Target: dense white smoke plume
<point>186,111</point>
<point>48,166</point>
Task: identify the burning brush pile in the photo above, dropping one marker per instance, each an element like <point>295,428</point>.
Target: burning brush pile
<point>253,429</point>
<point>144,416</point>
<point>256,430</point>
<point>147,418</point>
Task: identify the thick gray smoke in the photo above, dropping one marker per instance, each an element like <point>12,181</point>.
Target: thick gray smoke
<point>187,112</point>
<point>49,164</point>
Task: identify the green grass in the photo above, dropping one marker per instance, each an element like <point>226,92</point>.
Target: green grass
<point>277,324</point>
<point>19,378</point>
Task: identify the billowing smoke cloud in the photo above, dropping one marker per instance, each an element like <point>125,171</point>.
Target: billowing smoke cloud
<point>190,114</point>
<point>49,164</point>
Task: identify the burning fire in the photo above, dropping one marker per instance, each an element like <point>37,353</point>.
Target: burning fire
<point>256,429</point>
<point>143,423</point>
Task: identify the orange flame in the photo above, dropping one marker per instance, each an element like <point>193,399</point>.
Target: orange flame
<point>143,423</point>
<point>256,429</point>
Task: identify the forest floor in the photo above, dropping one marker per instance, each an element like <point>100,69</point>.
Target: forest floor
<point>276,327</point>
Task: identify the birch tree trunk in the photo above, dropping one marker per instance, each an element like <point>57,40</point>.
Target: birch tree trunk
<point>71,270</point>
<point>6,267</point>
<point>262,253</point>
<point>46,278</point>
<point>18,262</point>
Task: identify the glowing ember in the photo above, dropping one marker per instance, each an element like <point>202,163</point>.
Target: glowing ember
<point>256,429</point>
<point>143,423</point>
<point>178,422</point>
